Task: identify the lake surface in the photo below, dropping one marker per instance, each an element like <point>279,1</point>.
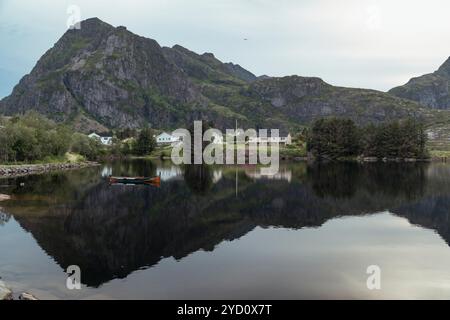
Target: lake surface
<point>229,233</point>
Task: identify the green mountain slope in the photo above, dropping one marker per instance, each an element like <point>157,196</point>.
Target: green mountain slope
<point>102,76</point>
<point>431,90</point>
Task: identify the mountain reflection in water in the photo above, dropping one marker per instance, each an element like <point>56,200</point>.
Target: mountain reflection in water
<point>112,231</point>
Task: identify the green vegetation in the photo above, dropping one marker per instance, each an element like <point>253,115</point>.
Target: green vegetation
<point>431,90</point>
<point>291,151</point>
<point>85,146</point>
<point>336,139</point>
<point>145,143</point>
<point>440,154</point>
<point>406,139</point>
<point>168,87</point>
<point>161,152</point>
<point>33,138</point>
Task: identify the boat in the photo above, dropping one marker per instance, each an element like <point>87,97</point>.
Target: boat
<point>154,181</point>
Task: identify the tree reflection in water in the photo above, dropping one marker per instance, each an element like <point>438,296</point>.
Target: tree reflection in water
<point>198,177</point>
<point>110,231</point>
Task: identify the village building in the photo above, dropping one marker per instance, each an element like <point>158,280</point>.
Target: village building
<point>166,138</point>
<point>281,140</point>
<point>105,140</point>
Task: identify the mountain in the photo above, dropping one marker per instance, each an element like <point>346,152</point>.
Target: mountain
<point>431,90</point>
<point>102,76</point>
<point>107,74</point>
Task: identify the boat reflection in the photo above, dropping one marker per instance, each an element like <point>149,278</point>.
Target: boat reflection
<point>110,232</point>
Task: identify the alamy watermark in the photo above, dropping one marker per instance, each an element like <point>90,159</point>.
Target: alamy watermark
<point>73,281</point>
<point>374,17</point>
<point>237,146</point>
<point>374,280</point>
<point>74,19</point>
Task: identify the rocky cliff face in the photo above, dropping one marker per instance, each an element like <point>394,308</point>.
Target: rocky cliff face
<point>109,77</point>
<point>431,90</point>
<point>108,73</point>
<point>306,99</point>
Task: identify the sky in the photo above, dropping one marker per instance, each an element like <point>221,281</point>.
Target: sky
<point>375,44</point>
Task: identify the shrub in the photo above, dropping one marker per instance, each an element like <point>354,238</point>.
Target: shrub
<point>87,147</point>
<point>145,143</point>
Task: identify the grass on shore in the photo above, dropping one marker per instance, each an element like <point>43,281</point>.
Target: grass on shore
<point>67,158</point>
<point>440,154</point>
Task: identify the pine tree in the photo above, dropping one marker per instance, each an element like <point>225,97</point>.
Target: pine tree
<point>145,143</point>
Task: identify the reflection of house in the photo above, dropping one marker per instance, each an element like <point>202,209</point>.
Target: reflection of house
<point>217,176</point>
<point>282,174</point>
<point>106,172</point>
<point>169,173</point>
<point>4,217</point>
<point>166,138</point>
<point>104,140</point>
<point>281,140</point>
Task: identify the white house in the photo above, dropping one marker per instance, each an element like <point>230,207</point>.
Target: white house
<point>281,140</point>
<point>107,141</point>
<point>166,138</point>
<point>93,135</point>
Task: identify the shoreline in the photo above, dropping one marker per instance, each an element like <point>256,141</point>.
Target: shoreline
<point>29,169</point>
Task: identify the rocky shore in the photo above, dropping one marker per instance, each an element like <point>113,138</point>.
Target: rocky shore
<point>7,294</point>
<point>26,169</point>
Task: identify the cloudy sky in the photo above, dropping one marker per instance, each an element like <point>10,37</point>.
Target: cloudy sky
<point>357,43</point>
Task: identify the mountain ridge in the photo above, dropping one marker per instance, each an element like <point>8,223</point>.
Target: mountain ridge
<point>109,77</point>
<point>431,90</point>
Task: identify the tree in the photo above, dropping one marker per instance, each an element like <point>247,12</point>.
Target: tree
<point>334,138</point>
<point>24,143</point>
<point>405,139</point>
<point>87,147</point>
<point>337,138</point>
<point>126,133</point>
<point>145,143</point>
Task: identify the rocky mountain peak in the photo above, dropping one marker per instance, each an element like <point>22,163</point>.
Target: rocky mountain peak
<point>111,77</point>
<point>431,90</point>
<point>445,69</point>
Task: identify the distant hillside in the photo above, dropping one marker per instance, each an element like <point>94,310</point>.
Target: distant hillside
<point>105,77</point>
<point>431,90</point>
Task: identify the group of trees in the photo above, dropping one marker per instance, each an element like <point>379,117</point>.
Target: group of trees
<point>32,137</point>
<point>145,143</point>
<point>87,147</point>
<point>341,138</point>
<point>140,143</point>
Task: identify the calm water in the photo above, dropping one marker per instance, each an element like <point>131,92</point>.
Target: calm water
<point>227,232</point>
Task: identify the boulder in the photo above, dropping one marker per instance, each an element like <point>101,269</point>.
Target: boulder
<point>27,296</point>
<point>4,197</point>
<point>5,292</point>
